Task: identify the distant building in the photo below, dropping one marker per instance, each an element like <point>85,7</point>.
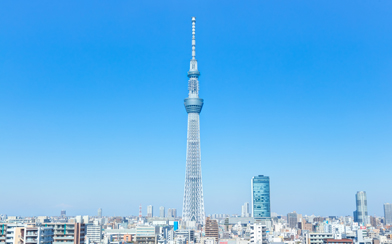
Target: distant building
<point>162,212</point>
<point>245,210</point>
<point>212,229</point>
<point>361,214</point>
<point>63,213</point>
<point>258,234</point>
<point>150,211</point>
<point>99,212</point>
<point>388,214</point>
<point>373,221</point>
<point>292,220</point>
<point>172,213</point>
<point>260,189</point>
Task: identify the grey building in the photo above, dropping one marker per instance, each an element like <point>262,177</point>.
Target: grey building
<point>172,213</point>
<point>292,219</point>
<point>150,211</point>
<point>388,213</point>
<point>361,213</point>
<point>99,212</point>
<point>260,189</point>
<point>162,212</point>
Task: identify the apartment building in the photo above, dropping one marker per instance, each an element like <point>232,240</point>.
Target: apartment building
<point>68,233</point>
<point>25,234</point>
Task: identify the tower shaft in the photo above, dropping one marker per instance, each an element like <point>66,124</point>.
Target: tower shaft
<point>193,207</point>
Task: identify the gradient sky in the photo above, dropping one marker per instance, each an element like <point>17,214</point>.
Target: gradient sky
<point>92,114</point>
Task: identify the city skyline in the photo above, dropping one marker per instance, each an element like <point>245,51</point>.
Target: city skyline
<point>305,102</point>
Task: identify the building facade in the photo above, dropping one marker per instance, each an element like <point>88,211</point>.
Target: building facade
<point>94,233</point>
<point>212,229</point>
<point>317,238</point>
<point>68,233</point>
<point>258,234</point>
<point>260,189</point>
<point>25,233</point>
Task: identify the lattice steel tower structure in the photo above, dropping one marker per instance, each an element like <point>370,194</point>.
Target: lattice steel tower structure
<point>193,208</point>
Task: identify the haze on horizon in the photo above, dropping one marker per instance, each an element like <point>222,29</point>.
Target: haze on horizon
<point>92,112</point>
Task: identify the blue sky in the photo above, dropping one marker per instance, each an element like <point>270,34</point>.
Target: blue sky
<point>91,104</point>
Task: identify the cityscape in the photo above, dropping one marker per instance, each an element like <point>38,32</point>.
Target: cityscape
<point>258,220</point>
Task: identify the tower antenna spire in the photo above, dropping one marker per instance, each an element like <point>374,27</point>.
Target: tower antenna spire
<point>193,38</point>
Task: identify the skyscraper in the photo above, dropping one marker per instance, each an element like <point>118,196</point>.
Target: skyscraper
<point>388,213</point>
<point>99,212</point>
<point>162,212</point>
<point>150,211</point>
<point>361,214</point>
<point>260,197</point>
<point>193,206</point>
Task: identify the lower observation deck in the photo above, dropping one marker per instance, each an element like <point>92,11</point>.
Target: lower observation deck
<point>193,105</point>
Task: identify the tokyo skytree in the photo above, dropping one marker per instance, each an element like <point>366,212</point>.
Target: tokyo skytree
<point>193,208</point>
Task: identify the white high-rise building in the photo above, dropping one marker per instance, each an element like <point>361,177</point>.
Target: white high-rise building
<point>245,210</point>
<point>193,206</point>
<point>150,211</point>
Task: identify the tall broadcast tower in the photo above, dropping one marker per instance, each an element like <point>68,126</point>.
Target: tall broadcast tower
<point>193,208</point>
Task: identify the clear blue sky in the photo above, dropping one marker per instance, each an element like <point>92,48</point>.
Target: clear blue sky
<point>92,115</point>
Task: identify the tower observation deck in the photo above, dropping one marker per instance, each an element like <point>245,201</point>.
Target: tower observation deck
<point>193,207</point>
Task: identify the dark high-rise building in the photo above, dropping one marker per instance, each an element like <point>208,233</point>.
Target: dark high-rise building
<point>260,196</point>
<point>373,221</point>
<point>63,213</point>
<point>212,229</point>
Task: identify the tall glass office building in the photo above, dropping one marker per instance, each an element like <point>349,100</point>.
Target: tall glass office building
<point>361,214</point>
<point>261,197</point>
